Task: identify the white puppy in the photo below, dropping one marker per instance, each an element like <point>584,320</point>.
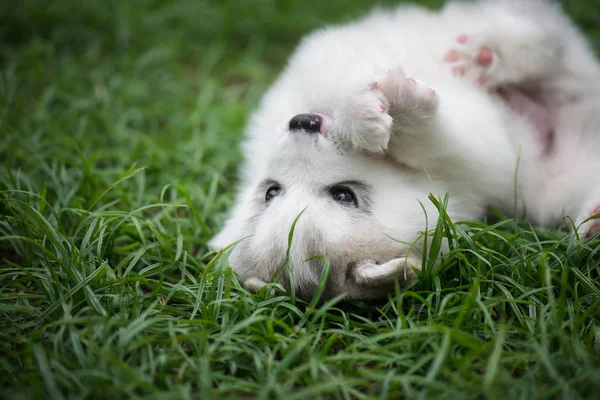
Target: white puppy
<point>349,146</point>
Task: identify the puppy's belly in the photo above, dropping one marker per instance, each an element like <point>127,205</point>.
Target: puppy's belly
<point>537,113</point>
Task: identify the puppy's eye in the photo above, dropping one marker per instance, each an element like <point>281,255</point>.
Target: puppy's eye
<point>344,195</point>
<point>272,191</point>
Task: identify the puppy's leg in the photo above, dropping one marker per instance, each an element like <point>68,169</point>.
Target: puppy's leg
<point>391,103</point>
<point>359,120</point>
<point>492,61</point>
<point>412,104</point>
<point>500,62</point>
<point>520,52</point>
<point>371,273</point>
<point>428,132</point>
<point>417,131</point>
<point>530,44</point>
<point>520,41</point>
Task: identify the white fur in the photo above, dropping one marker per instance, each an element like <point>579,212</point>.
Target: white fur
<point>395,141</point>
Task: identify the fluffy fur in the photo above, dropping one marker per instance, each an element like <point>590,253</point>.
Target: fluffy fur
<point>392,140</point>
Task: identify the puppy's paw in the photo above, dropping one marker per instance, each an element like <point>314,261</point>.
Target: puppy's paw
<point>473,59</point>
<point>362,120</point>
<point>587,227</point>
<point>371,273</point>
<point>365,119</point>
<point>407,96</point>
<point>254,284</point>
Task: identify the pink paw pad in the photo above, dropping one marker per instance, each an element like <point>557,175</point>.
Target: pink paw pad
<point>485,56</point>
<point>462,39</point>
<point>470,58</point>
<point>451,56</point>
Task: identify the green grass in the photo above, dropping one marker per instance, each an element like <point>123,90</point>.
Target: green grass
<point>119,123</point>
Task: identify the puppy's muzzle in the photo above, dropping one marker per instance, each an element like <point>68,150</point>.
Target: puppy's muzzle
<point>310,123</point>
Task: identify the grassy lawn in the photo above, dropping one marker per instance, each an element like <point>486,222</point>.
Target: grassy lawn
<point>119,124</point>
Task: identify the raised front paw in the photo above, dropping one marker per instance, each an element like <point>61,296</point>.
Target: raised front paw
<point>406,95</point>
<point>412,103</point>
<point>473,59</point>
<point>372,273</point>
<point>362,120</point>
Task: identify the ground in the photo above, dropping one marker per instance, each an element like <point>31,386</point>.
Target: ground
<point>119,124</point>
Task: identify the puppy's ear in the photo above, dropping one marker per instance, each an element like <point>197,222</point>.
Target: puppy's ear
<point>370,273</point>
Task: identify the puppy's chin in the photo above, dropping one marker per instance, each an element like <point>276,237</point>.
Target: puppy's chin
<point>364,280</point>
<point>356,273</point>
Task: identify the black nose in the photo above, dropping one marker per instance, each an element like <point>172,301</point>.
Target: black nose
<point>311,123</point>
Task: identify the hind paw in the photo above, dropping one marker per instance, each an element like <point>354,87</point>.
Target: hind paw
<point>473,59</point>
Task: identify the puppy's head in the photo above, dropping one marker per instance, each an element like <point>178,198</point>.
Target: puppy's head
<point>361,212</point>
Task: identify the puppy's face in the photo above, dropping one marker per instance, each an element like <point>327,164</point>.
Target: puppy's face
<point>349,207</point>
